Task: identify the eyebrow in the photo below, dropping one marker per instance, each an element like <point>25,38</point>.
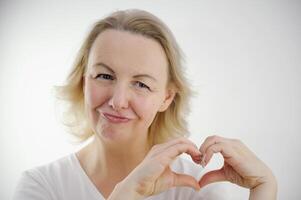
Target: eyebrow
<point>101,64</point>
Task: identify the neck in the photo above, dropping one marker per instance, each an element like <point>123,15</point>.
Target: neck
<point>103,162</point>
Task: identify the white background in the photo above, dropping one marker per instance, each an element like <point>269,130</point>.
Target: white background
<point>243,59</point>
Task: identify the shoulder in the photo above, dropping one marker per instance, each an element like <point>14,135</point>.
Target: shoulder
<point>54,172</point>
<point>46,181</point>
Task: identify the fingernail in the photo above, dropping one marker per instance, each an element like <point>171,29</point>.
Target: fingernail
<point>203,161</point>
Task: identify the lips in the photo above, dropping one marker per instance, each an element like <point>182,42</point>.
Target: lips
<point>115,118</point>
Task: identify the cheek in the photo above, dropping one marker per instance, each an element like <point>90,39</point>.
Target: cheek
<point>94,96</point>
<point>147,109</point>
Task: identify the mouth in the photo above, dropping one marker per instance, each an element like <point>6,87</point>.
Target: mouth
<point>115,119</point>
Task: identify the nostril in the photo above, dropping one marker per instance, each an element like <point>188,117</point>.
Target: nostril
<point>118,102</point>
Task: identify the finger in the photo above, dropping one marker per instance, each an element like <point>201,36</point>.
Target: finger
<point>216,148</point>
<point>214,139</point>
<point>159,148</point>
<point>226,149</point>
<point>177,149</point>
<point>214,144</point>
<point>212,177</point>
<point>184,180</point>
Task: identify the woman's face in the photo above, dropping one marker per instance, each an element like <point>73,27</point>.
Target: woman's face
<point>125,85</point>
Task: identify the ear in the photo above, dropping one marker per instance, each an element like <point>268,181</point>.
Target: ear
<point>169,97</point>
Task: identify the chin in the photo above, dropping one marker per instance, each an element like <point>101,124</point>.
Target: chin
<point>109,135</point>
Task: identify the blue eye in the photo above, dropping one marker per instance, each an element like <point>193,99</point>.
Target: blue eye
<point>142,85</point>
<point>104,76</point>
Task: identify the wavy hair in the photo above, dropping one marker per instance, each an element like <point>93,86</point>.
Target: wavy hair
<point>166,125</point>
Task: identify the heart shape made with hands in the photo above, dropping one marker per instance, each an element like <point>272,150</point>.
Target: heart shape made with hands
<point>206,176</point>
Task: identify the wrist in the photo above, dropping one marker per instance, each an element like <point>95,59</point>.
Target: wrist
<point>266,190</point>
<point>271,182</point>
<point>125,191</point>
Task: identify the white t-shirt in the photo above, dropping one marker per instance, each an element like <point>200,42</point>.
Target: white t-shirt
<point>66,179</point>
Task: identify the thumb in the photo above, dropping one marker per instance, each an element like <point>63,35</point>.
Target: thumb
<point>212,177</point>
<point>186,181</point>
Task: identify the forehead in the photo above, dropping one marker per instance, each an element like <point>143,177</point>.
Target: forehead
<point>129,52</point>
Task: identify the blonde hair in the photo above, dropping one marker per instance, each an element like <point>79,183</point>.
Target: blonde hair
<point>166,125</point>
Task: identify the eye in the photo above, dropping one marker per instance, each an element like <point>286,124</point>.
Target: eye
<point>142,85</point>
<point>104,76</point>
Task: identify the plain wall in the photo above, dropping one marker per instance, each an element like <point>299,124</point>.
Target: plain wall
<point>242,57</point>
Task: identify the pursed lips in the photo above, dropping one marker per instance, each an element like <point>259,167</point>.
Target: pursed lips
<point>115,118</point>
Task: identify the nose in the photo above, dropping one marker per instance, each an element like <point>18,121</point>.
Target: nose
<point>120,98</point>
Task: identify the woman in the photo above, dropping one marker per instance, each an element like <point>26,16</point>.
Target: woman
<point>127,89</point>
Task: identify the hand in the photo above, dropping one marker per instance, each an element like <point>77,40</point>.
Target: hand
<point>241,166</point>
<point>153,175</point>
